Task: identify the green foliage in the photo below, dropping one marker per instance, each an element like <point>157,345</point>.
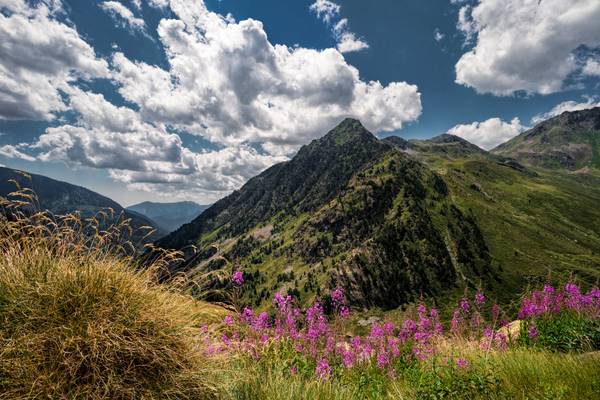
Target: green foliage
<point>564,332</point>
<point>450,382</point>
<point>515,374</point>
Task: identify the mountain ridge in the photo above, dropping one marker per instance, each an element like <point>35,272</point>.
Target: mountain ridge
<point>63,198</point>
<point>569,141</point>
<point>348,209</point>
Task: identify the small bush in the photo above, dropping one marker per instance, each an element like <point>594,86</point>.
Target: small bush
<point>566,332</point>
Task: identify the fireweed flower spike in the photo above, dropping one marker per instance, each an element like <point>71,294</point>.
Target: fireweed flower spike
<point>237,278</point>
<point>324,343</point>
<point>479,298</point>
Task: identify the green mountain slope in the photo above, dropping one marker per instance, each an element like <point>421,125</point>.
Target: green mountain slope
<point>391,220</point>
<point>538,223</point>
<point>348,210</point>
<point>569,141</point>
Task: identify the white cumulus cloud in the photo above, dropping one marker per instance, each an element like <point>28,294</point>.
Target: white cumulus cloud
<point>39,57</point>
<point>490,133</point>
<point>592,67</point>
<point>329,12</point>
<point>11,151</point>
<point>565,106</point>
<point>525,45</point>
<point>225,82</point>
<point>326,10</point>
<point>124,16</point>
<point>229,84</point>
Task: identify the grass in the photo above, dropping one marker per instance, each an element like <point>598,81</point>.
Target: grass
<point>78,321</point>
<point>515,374</point>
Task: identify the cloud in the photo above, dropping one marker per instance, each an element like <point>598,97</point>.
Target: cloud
<point>11,151</point>
<point>144,155</point>
<point>257,102</point>
<point>39,58</point>
<point>592,67</point>
<point>347,42</point>
<point>326,10</point>
<point>230,85</point>
<point>525,45</point>
<point>123,16</point>
<point>137,4</point>
<point>565,106</point>
<point>438,36</point>
<point>490,133</point>
<point>329,12</point>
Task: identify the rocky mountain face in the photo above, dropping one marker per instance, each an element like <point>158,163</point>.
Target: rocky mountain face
<point>63,198</point>
<point>348,210</point>
<point>169,216</point>
<point>570,141</point>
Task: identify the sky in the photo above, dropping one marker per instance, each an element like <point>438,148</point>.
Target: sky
<point>168,100</point>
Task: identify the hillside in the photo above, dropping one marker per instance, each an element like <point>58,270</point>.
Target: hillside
<point>348,210</point>
<point>391,220</point>
<point>538,224</point>
<point>570,141</point>
<point>64,198</point>
<point>169,216</point>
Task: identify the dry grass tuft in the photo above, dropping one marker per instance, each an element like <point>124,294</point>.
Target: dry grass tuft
<point>78,320</point>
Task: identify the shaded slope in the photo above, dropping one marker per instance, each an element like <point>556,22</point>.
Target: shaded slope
<point>64,198</point>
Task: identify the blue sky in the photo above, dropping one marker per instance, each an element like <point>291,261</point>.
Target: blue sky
<point>180,99</point>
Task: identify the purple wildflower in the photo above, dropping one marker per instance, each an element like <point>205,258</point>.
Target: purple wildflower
<point>479,298</point>
<point>237,278</point>
<point>533,331</point>
<point>464,305</point>
<point>323,370</point>
<point>337,296</point>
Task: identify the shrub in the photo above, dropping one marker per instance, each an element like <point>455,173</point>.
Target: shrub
<point>561,320</point>
<point>566,331</point>
<point>456,382</point>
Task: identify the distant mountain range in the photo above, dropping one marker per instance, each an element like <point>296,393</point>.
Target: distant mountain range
<point>391,220</point>
<point>63,198</point>
<point>569,141</point>
<point>169,216</point>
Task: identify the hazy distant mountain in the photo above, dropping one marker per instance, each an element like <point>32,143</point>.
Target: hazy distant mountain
<point>62,198</point>
<point>169,216</point>
<point>569,141</point>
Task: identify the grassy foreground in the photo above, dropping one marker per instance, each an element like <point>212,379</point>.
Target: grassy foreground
<point>78,321</point>
<point>515,374</point>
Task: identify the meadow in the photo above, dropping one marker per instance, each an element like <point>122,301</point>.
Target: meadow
<point>80,319</point>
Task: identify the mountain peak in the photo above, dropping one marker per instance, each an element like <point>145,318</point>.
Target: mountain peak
<point>568,141</point>
<point>348,131</point>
